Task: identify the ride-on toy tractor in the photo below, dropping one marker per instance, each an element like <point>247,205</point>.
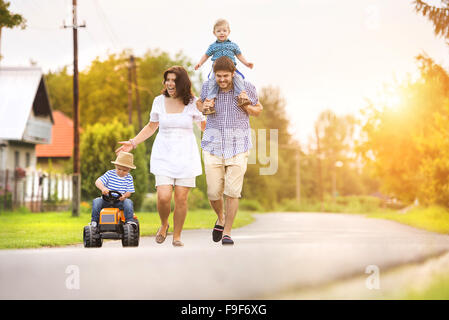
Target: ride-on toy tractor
<point>112,226</point>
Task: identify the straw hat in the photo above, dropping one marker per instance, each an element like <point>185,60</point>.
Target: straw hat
<point>125,159</point>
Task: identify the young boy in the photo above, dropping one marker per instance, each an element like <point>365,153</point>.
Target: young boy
<point>118,179</point>
<point>224,47</point>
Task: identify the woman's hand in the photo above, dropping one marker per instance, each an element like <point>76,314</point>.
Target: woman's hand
<point>126,147</point>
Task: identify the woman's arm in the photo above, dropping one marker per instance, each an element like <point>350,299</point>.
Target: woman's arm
<point>143,135</point>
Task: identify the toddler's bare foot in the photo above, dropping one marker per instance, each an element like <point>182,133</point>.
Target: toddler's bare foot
<point>243,99</point>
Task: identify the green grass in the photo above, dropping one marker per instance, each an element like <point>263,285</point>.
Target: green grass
<point>437,290</point>
<point>52,229</point>
<point>434,218</point>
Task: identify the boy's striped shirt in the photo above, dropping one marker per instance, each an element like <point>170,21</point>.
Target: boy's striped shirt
<point>113,182</point>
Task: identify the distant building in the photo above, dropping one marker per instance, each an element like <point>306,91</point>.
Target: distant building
<point>25,116</point>
<point>60,150</point>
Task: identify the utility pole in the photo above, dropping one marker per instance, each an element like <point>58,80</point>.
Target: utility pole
<point>320,178</point>
<point>298,176</point>
<point>136,87</point>
<point>130,95</point>
<point>76,180</point>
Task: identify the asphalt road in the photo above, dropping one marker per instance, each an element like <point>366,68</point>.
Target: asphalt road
<point>278,252</point>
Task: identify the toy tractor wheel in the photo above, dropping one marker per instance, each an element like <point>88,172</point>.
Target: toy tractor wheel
<point>131,235</point>
<point>91,238</point>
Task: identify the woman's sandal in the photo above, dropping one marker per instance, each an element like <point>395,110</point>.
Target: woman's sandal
<point>177,243</point>
<point>159,237</point>
<point>217,233</point>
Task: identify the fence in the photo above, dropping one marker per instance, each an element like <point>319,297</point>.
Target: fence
<point>34,189</point>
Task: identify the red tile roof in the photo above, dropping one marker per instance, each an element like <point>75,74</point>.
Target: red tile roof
<point>61,138</point>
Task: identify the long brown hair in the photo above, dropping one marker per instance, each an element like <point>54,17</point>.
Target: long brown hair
<point>183,84</point>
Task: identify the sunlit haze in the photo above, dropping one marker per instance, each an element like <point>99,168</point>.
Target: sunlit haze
<point>321,54</point>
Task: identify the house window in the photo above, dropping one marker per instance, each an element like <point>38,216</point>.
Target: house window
<point>27,160</point>
<point>16,159</point>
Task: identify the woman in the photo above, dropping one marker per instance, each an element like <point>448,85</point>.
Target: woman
<point>175,158</point>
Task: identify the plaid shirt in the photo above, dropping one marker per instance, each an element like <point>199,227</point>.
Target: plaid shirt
<point>228,132</point>
<point>226,48</point>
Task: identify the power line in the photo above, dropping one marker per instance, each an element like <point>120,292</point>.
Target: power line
<point>111,34</point>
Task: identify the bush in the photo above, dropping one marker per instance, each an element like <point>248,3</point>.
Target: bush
<point>348,204</point>
<point>250,205</point>
<point>149,203</point>
<point>197,200</point>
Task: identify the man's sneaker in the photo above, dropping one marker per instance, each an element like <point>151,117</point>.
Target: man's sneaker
<point>226,240</point>
<point>217,232</point>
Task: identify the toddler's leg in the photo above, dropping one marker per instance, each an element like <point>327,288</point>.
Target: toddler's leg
<point>240,92</point>
<point>239,86</point>
<point>212,88</point>
<point>128,209</point>
<point>97,205</point>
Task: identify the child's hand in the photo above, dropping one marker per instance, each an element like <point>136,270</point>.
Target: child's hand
<point>105,191</point>
<point>197,66</point>
<point>250,65</point>
<point>122,198</point>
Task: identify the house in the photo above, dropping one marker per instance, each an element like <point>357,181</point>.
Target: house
<point>60,150</point>
<point>25,116</point>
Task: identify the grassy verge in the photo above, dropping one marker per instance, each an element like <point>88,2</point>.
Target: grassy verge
<point>437,290</point>
<point>434,218</point>
<point>51,229</point>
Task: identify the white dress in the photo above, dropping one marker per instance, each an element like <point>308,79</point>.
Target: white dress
<point>175,152</point>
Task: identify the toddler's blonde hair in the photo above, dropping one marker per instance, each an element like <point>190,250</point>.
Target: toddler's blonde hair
<point>221,22</point>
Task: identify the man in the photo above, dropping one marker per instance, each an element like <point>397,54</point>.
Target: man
<point>226,143</point>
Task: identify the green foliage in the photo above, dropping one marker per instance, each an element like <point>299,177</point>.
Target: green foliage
<point>407,145</point>
<point>9,19</point>
<point>98,143</point>
<point>250,205</point>
<point>197,200</point>
<point>269,189</point>
<point>104,86</point>
<point>348,204</point>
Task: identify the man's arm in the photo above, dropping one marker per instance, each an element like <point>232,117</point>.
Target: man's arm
<point>253,110</point>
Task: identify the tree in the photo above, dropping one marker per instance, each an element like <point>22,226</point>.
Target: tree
<point>270,189</point>
<point>439,16</point>
<point>407,144</point>
<point>335,157</point>
<point>98,143</point>
<point>8,19</point>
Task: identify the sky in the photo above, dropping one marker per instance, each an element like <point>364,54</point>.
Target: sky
<point>321,54</point>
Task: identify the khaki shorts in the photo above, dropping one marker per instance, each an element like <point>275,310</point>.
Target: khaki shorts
<point>224,176</point>
<point>184,182</point>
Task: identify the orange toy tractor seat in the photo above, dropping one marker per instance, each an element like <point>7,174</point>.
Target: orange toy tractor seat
<point>112,226</point>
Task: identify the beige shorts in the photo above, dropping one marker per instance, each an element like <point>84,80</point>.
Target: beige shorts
<point>183,182</point>
<point>224,176</point>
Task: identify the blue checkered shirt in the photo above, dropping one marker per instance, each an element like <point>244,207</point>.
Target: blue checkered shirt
<point>226,48</point>
<point>228,132</point>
